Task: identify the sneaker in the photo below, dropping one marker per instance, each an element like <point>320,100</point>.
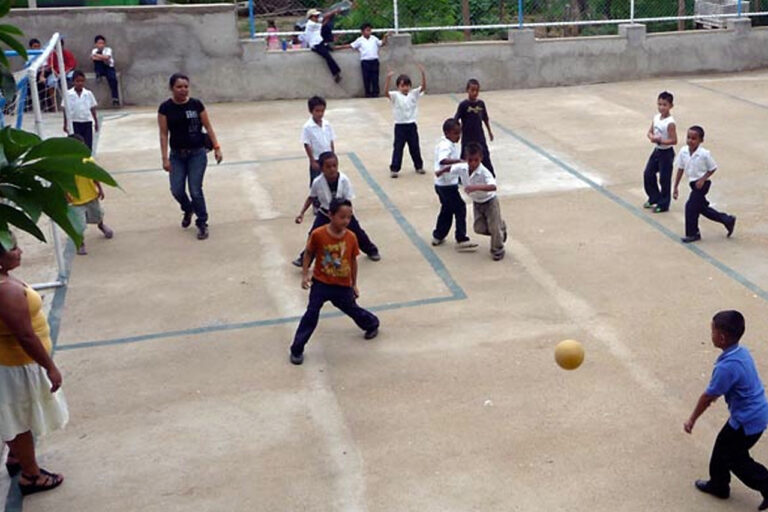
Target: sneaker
<point>420,171</point>
<point>186,220</point>
<point>369,335</point>
<point>730,224</point>
<point>108,233</point>
<point>649,204</point>
<point>659,209</point>
<point>202,232</point>
<point>393,174</point>
<point>375,256</point>
<point>498,256</point>
<point>298,262</point>
<point>81,250</point>
<point>437,241</point>
<point>466,246</point>
<point>689,239</point>
<point>704,486</point>
<point>297,359</point>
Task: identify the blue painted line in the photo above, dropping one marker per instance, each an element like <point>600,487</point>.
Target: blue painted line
<point>637,212</point>
<point>457,293</point>
<point>728,95</point>
<point>223,164</point>
<point>13,502</point>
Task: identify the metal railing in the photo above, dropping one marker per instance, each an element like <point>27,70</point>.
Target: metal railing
<point>469,15</point>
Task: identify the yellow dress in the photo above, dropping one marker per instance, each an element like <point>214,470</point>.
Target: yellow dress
<point>11,352</point>
<point>26,401</point>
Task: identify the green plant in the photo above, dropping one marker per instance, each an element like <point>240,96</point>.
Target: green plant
<point>36,176</point>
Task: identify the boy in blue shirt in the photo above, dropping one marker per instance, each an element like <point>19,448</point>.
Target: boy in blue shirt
<point>736,377</point>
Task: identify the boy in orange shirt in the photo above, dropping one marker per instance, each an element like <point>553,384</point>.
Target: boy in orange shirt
<point>335,250</point>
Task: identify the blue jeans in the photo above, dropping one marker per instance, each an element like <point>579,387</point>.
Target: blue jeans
<point>188,166</point>
<point>343,297</point>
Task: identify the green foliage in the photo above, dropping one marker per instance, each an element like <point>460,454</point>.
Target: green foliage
<point>36,176</point>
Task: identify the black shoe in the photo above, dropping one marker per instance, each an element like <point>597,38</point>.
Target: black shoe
<point>298,262</point>
<point>689,239</point>
<point>202,232</point>
<point>374,256</point>
<point>186,221</point>
<point>730,225</point>
<point>703,486</point>
<point>337,78</point>
<point>115,102</point>
<point>297,359</point>
<point>369,335</point>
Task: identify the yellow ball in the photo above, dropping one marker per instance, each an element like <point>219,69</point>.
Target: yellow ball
<point>569,354</point>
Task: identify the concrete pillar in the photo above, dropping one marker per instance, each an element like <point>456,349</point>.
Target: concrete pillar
<point>740,26</point>
<point>523,39</point>
<point>634,33</point>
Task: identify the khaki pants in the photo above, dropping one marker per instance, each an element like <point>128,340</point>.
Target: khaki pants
<point>488,222</point>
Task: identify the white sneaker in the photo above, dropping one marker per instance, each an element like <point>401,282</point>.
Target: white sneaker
<point>438,241</point>
<point>466,246</point>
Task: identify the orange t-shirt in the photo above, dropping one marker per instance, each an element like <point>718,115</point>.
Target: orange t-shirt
<point>333,256</point>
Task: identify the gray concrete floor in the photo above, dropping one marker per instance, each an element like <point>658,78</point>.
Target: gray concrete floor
<point>175,351</point>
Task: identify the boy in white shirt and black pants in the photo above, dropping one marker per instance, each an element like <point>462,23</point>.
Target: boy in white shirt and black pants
<point>447,152</point>
<point>699,166</point>
<point>480,185</point>
<point>314,38</point>
<point>317,135</point>
<point>405,107</point>
<point>82,107</point>
<point>104,65</point>
<point>368,45</point>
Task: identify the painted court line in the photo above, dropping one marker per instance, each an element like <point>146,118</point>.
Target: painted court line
<point>727,94</point>
<point>457,293</point>
<point>637,212</point>
<point>224,164</point>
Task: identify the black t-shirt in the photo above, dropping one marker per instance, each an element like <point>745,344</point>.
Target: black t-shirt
<point>471,114</point>
<point>184,123</point>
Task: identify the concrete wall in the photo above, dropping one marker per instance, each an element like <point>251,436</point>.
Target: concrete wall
<point>150,43</point>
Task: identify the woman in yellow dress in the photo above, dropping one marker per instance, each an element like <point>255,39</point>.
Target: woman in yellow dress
<point>30,401</point>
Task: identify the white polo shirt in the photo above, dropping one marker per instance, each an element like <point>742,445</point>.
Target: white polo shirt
<point>312,34</point>
<point>368,48</point>
<point>446,149</point>
<point>405,107</point>
<point>108,52</point>
<point>481,176</point>
<point>80,105</point>
<point>696,165</point>
<point>322,191</point>
<point>319,138</point>
<point>661,128</point>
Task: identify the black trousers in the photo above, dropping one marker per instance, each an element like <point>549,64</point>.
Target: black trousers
<point>406,134</point>
<point>368,247</point>
<point>486,153</point>
<point>660,162</point>
<point>731,455</point>
<point>370,77</point>
<point>696,205</point>
<point>343,297</point>
<point>85,130</point>
<point>324,51</point>
<point>451,205</point>
<point>102,69</point>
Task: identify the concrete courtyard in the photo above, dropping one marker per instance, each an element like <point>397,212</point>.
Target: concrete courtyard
<point>175,351</point>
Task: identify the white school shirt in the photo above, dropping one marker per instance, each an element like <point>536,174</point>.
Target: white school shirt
<point>661,128</point>
<point>80,105</point>
<point>405,107</point>
<point>481,176</point>
<point>696,165</point>
<point>322,191</point>
<point>446,149</point>
<point>368,48</point>
<point>108,52</point>
<point>312,35</point>
<point>319,138</point>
